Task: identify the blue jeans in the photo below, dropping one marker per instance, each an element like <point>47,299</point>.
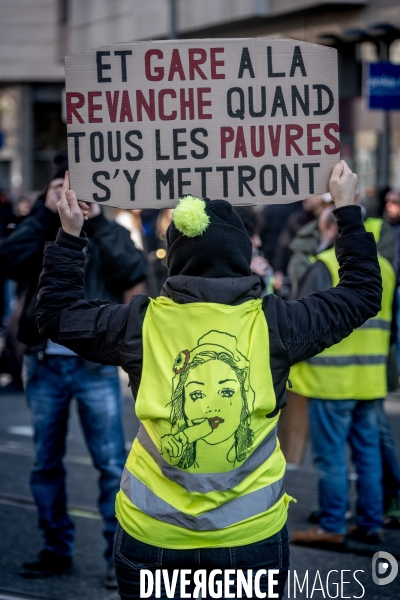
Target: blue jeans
<point>390,463</point>
<point>333,424</point>
<point>130,556</point>
<point>52,383</point>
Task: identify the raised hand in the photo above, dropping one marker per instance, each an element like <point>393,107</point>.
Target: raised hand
<point>72,211</point>
<point>343,185</point>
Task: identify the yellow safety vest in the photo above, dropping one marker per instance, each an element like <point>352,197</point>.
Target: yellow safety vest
<point>355,368</point>
<point>206,469</point>
<point>374,226</point>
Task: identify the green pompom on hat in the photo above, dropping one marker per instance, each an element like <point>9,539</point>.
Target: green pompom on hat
<point>190,217</point>
<point>207,238</point>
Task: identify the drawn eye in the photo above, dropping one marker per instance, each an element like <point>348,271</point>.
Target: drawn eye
<point>197,395</point>
<point>226,392</point>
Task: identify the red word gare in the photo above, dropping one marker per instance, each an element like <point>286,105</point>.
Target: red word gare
<point>157,69</point>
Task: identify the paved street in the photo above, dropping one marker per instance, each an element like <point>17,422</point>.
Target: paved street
<point>20,539</point>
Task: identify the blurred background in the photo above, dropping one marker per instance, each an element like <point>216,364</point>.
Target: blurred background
<point>35,35</point>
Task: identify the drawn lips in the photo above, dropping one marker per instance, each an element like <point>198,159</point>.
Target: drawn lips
<point>215,421</point>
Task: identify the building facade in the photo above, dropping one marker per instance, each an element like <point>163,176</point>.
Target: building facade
<point>36,34</point>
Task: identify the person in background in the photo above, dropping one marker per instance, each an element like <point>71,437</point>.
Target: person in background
<point>56,374</point>
<point>310,211</point>
<point>307,242</point>
<point>157,257</point>
<point>259,264</point>
<point>7,217</point>
<point>345,386</point>
<point>274,218</point>
<point>11,357</point>
<point>391,469</point>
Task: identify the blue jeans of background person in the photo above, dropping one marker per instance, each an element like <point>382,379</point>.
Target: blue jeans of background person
<point>333,424</point>
<point>390,463</point>
<point>51,384</point>
<point>130,556</point>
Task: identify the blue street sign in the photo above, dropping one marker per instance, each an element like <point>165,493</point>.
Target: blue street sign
<point>383,86</point>
<point>1,139</point>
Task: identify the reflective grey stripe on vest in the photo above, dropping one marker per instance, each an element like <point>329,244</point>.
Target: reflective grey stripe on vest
<point>347,361</point>
<point>227,514</point>
<point>210,482</point>
<point>376,324</point>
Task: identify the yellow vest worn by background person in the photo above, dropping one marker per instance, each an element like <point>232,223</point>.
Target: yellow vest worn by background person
<point>355,368</point>
<point>374,226</point>
<point>206,469</point>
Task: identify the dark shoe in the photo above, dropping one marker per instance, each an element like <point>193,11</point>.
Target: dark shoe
<point>110,581</point>
<point>317,537</point>
<point>391,518</point>
<point>374,536</point>
<point>48,563</point>
<point>315,515</point>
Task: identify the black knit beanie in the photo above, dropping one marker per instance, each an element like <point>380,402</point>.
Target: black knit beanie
<point>207,239</point>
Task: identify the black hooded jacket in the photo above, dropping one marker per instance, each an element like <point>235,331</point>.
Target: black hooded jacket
<point>112,334</point>
<point>21,259</point>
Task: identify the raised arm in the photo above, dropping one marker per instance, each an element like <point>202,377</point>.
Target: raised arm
<point>19,252</point>
<point>93,329</point>
<point>303,328</point>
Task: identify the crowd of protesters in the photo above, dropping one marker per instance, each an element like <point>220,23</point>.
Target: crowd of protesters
<point>291,253</point>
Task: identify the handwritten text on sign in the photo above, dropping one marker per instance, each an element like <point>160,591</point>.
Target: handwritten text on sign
<point>250,120</point>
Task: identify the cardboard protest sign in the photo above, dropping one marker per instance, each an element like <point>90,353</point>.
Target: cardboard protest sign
<point>250,120</point>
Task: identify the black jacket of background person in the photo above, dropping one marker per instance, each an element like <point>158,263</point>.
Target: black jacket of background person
<point>112,263</point>
<point>298,329</point>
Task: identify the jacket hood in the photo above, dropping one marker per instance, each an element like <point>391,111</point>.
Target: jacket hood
<point>225,290</point>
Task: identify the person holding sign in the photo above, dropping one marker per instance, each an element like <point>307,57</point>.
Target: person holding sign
<point>208,362</point>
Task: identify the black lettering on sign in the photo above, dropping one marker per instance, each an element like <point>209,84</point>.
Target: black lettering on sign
<point>323,88</point>
<point>245,63</point>
<point>224,171</point>
<point>194,140</point>
<point>310,167</point>
<point>239,113</point>
<point>101,67</point>
<point>165,179</point>
<point>159,156</point>
<point>274,174</point>
<point>123,54</point>
<point>279,102</point>
<point>203,171</point>
<point>76,136</point>
<point>94,155</point>
<point>178,144</point>
<point>128,140</point>
<point>260,113</point>
<point>105,188</point>
<point>287,177</point>
<point>270,67</point>
<point>297,63</point>
<point>181,182</point>
<point>131,179</point>
<point>244,179</point>
<point>117,156</point>
<point>305,104</point>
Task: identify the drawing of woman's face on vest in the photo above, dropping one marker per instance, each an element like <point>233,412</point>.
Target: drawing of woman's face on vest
<point>211,402</point>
